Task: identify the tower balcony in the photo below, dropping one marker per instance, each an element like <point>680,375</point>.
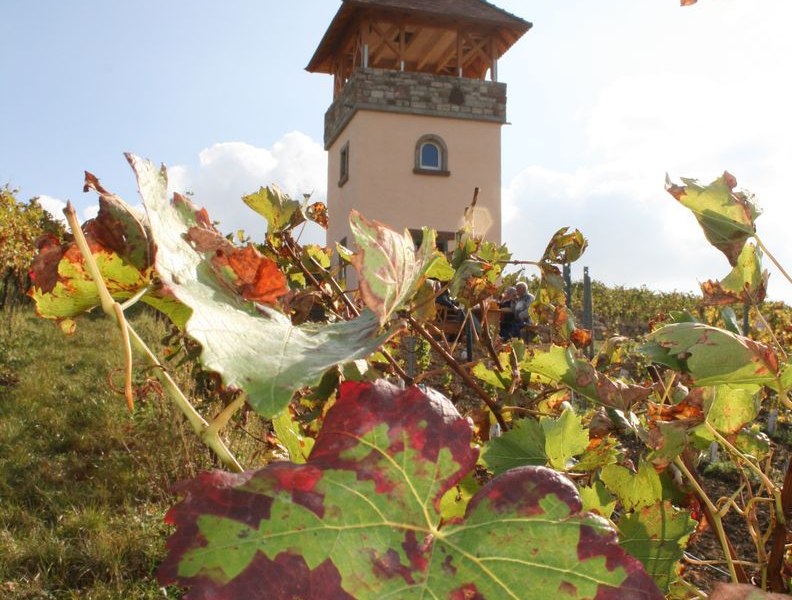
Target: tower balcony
<point>415,93</point>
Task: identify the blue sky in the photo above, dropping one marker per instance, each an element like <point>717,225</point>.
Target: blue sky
<point>605,97</point>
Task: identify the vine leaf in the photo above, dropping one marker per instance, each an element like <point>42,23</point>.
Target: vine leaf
<point>746,283</point>
<point>565,438</point>
<point>598,499</point>
<point>565,246</point>
<point>753,442</point>
<point>729,408</point>
<point>656,535</point>
<point>712,356</point>
<point>727,217</point>
<point>253,347</point>
<point>523,444</point>
<point>120,242</point>
<point>244,271</point>
<point>634,490</point>
<point>287,430</point>
<point>547,441</point>
<point>280,211</point>
<point>388,265</point>
<point>361,519</point>
<point>560,365</point>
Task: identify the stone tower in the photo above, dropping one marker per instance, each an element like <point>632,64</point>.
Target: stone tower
<point>416,118</point>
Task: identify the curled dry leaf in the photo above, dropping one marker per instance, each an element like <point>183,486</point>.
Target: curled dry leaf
<point>745,284</point>
<point>727,217</point>
<point>317,212</point>
<point>248,273</point>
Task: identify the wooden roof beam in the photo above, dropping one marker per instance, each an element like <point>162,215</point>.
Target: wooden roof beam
<point>385,42</point>
<point>440,48</point>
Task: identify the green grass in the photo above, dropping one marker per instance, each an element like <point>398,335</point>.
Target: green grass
<point>84,484</point>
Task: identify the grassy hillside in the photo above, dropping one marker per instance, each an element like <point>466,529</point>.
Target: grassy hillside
<point>82,482</point>
<point>84,485</point>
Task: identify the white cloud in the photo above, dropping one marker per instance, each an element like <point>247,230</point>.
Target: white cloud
<point>713,96</point>
<point>53,206</point>
<point>227,171</point>
<point>89,212</point>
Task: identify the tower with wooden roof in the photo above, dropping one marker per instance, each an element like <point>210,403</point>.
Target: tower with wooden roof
<point>415,123</point>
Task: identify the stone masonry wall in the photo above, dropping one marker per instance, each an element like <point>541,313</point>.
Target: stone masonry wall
<point>415,93</point>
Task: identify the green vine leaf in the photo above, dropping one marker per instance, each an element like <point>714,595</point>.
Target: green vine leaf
<point>361,519</point>
<point>729,408</point>
<point>656,535</point>
<point>440,269</point>
<point>560,365</point>
<point>388,265</point>
<point>727,217</point>
<point>753,442</point>
<point>288,432</point>
<point>712,356</point>
<point>280,211</point>
<point>565,438</point>
<point>565,246</point>
<point>253,347</point>
<point>746,283</point>
<point>597,499</point>
<point>634,490</point>
<point>523,444</point>
<point>120,242</point>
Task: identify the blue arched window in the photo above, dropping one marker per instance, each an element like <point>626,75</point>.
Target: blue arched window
<point>431,156</point>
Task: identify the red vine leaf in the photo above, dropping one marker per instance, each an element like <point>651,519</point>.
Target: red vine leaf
<point>245,270</point>
<point>317,212</point>
<point>361,519</point>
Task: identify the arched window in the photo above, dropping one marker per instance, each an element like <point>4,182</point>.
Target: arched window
<point>431,156</point>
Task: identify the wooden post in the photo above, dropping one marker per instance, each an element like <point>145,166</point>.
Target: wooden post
<point>568,284</point>
<point>588,310</point>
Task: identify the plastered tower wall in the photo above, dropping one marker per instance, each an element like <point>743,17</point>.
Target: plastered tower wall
<point>380,118</point>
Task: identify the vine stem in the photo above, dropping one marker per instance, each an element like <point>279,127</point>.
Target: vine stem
<point>714,517</point>
<point>771,487</point>
<point>767,327</point>
<point>455,366</point>
<point>210,437</point>
<point>772,258</point>
<point>349,304</point>
<point>775,562</point>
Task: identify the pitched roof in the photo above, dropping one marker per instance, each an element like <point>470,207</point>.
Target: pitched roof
<point>472,10</point>
<point>466,11</point>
